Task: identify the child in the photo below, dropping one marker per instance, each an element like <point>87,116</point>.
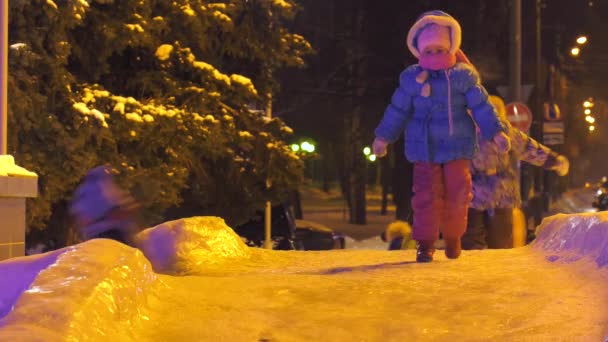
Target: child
<point>496,185</point>
<point>398,234</point>
<point>102,210</point>
<point>430,105</point>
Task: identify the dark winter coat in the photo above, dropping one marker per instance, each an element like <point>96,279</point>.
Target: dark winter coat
<point>495,176</point>
<point>433,132</point>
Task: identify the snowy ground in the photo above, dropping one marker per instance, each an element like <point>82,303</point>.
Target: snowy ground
<point>217,289</point>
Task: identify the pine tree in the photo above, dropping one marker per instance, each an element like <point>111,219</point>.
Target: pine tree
<point>163,91</point>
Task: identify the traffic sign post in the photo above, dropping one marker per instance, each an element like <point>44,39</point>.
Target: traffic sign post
<point>553,126</point>
<point>519,115</point>
<point>552,112</point>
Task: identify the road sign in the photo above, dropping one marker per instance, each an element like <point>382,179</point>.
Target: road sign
<point>553,127</point>
<point>551,112</point>
<point>505,91</point>
<point>519,115</point>
<point>553,139</point>
<point>553,133</point>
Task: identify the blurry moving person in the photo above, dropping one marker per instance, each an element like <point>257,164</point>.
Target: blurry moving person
<point>101,209</point>
<point>496,190</point>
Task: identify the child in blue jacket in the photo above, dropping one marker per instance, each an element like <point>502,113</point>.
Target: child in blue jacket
<point>431,107</point>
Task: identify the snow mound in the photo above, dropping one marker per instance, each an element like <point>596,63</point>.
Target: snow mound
<point>190,245</point>
<point>574,236</point>
<point>77,291</point>
<point>18,274</point>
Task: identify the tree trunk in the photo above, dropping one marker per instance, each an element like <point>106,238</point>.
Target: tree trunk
<point>357,175</point>
<point>327,166</point>
<point>357,167</point>
<point>403,175</point>
<point>296,201</point>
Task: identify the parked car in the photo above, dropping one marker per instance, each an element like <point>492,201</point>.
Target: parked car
<point>288,233</point>
<point>313,236</point>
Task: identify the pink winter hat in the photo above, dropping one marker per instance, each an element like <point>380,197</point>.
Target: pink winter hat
<point>434,28</point>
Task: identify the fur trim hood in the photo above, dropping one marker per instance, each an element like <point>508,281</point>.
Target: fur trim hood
<point>438,18</point>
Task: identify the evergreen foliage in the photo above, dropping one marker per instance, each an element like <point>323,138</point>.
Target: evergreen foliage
<point>161,90</point>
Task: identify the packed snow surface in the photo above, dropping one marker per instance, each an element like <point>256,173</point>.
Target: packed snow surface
<point>213,287</point>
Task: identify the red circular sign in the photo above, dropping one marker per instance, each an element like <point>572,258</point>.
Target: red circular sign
<point>519,115</point>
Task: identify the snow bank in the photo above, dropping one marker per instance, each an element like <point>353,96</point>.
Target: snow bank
<point>191,245</point>
<point>575,236</point>
<point>83,288</point>
<point>18,274</point>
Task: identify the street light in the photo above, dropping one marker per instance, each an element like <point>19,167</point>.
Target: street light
<point>581,40</point>
<point>587,104</point>
<point>590,119</point>
<point>372,157</point>
<point>587,111</point>
<point>575,51</point>
<point>308,147</point>
<point>591,128</point>
<point>295,147</point>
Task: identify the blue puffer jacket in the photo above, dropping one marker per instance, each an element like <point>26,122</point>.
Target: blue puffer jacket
<point>433,133</point>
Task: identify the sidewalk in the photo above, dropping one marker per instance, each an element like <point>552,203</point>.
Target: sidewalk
<point>330,209</point>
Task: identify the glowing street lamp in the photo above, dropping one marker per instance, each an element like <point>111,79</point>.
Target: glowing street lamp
<point>367,151</point>
<point>591,128</point>
<point>590,119</point>
<point>308,147</point>
<point>575,51</point>
<point>295,147</point>
<point>372,157</point>
<point>581,40</point>
<point>587,111</point>
<point>587,104</point>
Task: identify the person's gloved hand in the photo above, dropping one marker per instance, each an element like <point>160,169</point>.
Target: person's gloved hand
<point>379,147</point>
<point>503,142</point>
<point>562,166</point>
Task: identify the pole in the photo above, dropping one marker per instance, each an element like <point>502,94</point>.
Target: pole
<point>515,51</point>
<point>268,207</point>
<point>4,77</point>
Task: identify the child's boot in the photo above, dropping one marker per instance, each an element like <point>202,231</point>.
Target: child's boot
<point>452,248</point>
<point>426,248</point>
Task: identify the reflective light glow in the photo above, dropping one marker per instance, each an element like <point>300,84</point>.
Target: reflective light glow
<point>575,51</point>
<point>295,147</point>
<point>587,111</point>
<point>591,128</point>
<point>581,40</point>
<point>587,104</point>
<point>308,147</point>
<point>590,119</point>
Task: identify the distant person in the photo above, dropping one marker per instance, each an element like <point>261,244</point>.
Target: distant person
<point>496,190</point>
<point>398,235</point>
<point>101,209</point>
<point>430,107</point>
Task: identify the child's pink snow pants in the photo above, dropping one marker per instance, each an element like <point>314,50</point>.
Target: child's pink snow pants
<point>442,194</point>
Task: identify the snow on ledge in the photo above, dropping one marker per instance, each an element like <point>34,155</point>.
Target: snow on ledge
<point>76,290</point>
<point>8,168</point>
<point>574,236</point>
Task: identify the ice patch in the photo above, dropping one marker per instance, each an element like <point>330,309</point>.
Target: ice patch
<point>84,287</point>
